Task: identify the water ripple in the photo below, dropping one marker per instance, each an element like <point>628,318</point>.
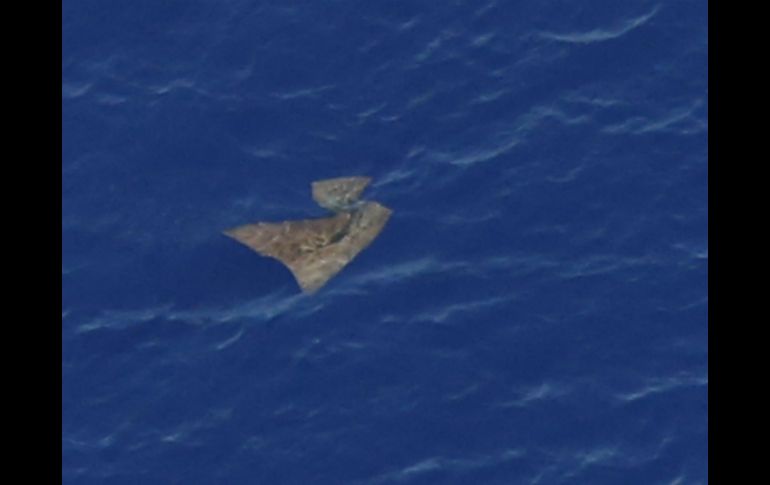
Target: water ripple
<point>442,463</point>
<point>602,34</point>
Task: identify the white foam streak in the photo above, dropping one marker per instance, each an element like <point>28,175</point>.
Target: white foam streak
<point>602,34</point>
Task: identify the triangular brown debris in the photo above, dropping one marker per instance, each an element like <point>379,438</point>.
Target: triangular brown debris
<point>317,249</point>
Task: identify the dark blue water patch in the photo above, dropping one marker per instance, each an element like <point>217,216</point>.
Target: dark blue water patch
<point>535,310</point>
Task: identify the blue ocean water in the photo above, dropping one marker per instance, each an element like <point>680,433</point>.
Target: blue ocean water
<point>534,312</point>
